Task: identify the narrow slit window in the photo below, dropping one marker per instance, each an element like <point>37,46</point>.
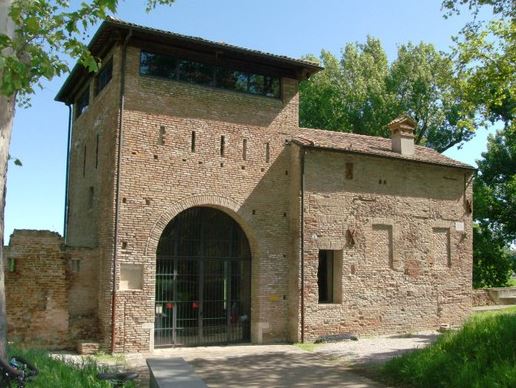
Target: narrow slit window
<point>91,196</point>
<point>162,131</point>
<point>267,152</point>
<point>84,162</point>
<point>244,149</point>
<point>192,142</point>
<point>222,145</point>
<point>97,151</point>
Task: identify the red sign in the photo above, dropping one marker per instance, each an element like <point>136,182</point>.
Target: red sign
<point>169,306</point>
<point>195,305</point>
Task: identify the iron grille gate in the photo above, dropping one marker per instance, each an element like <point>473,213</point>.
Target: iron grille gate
<point>203,287</point>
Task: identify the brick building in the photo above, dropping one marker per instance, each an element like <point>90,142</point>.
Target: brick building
<point>201,211</point>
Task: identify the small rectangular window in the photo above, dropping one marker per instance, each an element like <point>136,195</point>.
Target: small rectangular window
<point>83,102</point>
<point>158,65</point>
<point>91,197</point>
<point>97,151</point>
<point>192,144</point>
<point>349,170</point>
<point>75,265</point>
<point>84,162</point>
<point>222,145</point>
<point>267,152</point>
<point>326,276</point>
<point>104,76</point>
<point>244,149</point>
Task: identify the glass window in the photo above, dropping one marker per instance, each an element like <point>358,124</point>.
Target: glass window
<point>158,65</point>
<point>166,66</point>
<point>197,73</point>
<point>256,84</point>
<point>82,102</point>
<point>104,76</point>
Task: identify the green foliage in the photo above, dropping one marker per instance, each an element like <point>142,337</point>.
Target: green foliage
<point>45,32</point>
<point>479,355</point>
<point>494,199</point>
<point>56,373</point>
<point>485,56</point>
<point>495,185</point>
<point>362,93</point>
<point>492,262</point>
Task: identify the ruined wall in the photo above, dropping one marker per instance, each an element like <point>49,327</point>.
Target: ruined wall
<point>161,174</point>
<point>50,290</point>
<point>402,238</point>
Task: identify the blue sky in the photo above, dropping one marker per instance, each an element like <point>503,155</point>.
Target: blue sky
<point>35,192</point>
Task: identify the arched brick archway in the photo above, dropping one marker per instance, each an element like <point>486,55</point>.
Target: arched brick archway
<point>201,297</point>
<point>227,205</point>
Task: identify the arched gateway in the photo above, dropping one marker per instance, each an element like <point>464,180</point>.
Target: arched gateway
<point>203,280</point>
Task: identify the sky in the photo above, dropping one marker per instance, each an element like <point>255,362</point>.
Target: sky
<point>35,191</point>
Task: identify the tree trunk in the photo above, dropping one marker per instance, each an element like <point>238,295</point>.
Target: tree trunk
<point>7,106</point>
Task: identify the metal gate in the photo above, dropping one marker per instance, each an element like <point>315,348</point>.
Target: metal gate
<point>203,281</point>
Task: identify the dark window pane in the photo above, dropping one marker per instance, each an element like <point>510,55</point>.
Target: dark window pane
<point>256,84</point>
<point>167,66</point>
<point>82,102</point>
<point>271,87</point>
<point>198,73</point>
<point>104,76</point>
<point>158,65</point>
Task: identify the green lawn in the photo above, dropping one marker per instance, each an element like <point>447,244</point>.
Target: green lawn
<point>56,374</point>
<point>481,354</point>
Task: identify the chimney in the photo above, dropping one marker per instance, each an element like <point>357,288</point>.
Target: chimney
<point>402,134</point>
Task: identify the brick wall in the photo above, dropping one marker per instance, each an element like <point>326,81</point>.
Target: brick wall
<point>50,303</point>
<point>407,266</point>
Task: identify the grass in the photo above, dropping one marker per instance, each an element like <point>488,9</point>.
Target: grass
<point>481,354</point>
<point>512,282</point>
<point>57,374</point>
<point>306,346</point>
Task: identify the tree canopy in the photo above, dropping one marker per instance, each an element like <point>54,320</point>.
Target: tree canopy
<point>495,211</point>
<point>362,93</point>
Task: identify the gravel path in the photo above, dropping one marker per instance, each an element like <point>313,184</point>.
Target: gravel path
<point>379,349</point>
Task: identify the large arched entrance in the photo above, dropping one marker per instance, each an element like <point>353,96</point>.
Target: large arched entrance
<point>203,280</point>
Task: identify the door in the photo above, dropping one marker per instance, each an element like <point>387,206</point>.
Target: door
<point>203,277</point>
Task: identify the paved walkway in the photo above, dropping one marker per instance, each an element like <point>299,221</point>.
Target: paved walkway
<point>261,366</point>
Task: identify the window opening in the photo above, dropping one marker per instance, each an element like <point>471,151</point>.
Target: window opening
<point>162,132</point>
<point>244,149</point>
<point>222,145</point>
<point>193,141</point>
<point>267,152</point>
<point>180,69</point>
<point>84,163</point>
<point>104,76</point>
<point>91,195</point>
<point>83,102</point>
<point>97,151</point>
<point>325,277</point>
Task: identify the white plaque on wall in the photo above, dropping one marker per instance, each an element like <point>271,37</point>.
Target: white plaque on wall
<point>459,226</point>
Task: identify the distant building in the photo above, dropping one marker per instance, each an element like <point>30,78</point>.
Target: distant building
<point>202,212</point>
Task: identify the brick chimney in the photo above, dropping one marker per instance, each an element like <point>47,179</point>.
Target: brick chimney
<point>402,134</point>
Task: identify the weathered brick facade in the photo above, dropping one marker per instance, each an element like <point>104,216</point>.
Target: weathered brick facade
<point>399,226</point>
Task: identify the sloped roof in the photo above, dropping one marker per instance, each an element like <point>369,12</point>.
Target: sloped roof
<point>112,30</point>
<point>369,145</point>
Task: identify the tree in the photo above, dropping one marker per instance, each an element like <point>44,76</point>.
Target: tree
<point>363,92</point>
<point>485,56</point>
<point>495,211</point>
<point>35,36</point>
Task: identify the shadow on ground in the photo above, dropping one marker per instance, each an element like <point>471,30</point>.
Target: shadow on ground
<point>277,370</point>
